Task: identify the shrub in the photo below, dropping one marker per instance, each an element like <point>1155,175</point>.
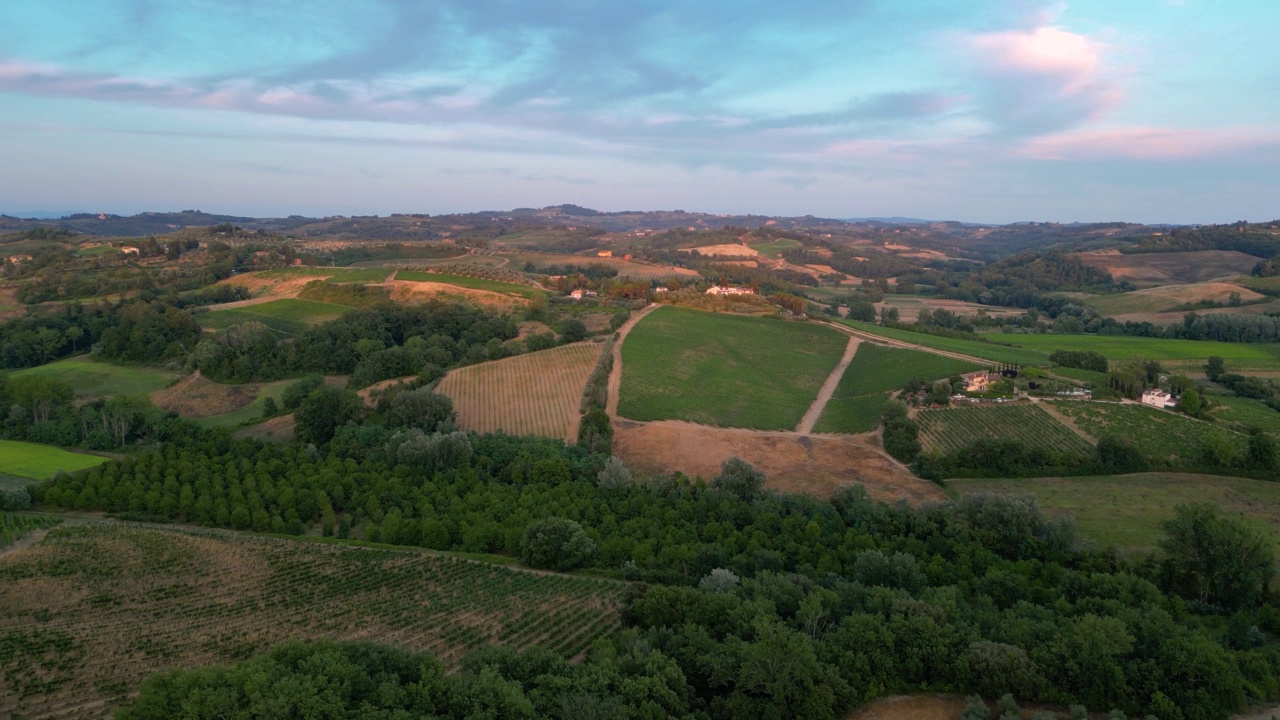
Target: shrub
<point>614,475</point>
<point>739,478</point>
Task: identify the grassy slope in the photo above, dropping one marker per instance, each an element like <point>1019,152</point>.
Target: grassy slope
<point>724,370</point>
<point>875,371</point>
<point>524,291</point>
<point>97,379</point>
<point>1126,511</point>
<point>993,351</point>
<point>31,460</point>
<point>1158,433</point>
<point>1247,412</point>
<point>1259,356</point>
<point>286,316</point>
<point>249,413</point>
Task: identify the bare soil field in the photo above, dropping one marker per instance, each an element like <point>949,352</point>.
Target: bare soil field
<point>812,464</point>
<point>532,394</point>
<point>273,286</point>
<point>196,397</point>
<point>405,291</point>
<point>726,250</point>
<point>1150,269</point>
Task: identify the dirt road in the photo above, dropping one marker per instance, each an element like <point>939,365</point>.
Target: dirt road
<point>828,388</point>
<point>615,375</point>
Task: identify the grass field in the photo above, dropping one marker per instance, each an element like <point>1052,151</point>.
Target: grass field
<point>38,462</point>
<point>1169,298</point>
<point>775,249</point>
<point>1157,433</point>
<point>950,429</point>
<point>993,351</point>
<point>1147,269</point>
<point>90,611</point>
<point>1246,412</point>
<point>1187,354</point>
<point>286,316</point>
<point>1125,511</point>
<point>724,370</point>
<point>249,413</point>
<point>524,291</point>
<point>92,379</point>
<point>532,394</point>
<point>859,399</point>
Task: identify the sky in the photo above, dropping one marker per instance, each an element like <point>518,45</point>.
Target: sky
<point>974,110</point>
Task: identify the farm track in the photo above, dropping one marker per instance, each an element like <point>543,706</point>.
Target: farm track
<point>615,375</point>
<point>828,388</point>
<point>890,342</point>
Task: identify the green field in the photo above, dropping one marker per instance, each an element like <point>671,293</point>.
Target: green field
<point>993,351</point>
<point>364,274</point>
<point>92,379</point>
<point>859,399</point>
<point>1125,511</point>
<point>1159,434</point>
<point>31,460</point>
<point>1246,412</point>
<point>286,317</point>
<point>1093,377</point>
<point>120,602</point>
<point>951,429</point>
<point>775,249</point>
<point>724,370</point>
<point>1182,353</point>
<point>247,414</point>
<point>524,291</point>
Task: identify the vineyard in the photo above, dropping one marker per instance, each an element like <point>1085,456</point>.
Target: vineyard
<point>724,370</point>
<point>950,429</point>
<point>1158,434</point>
<point>90,611</point>
<point>859,399</point>
<point>536,393</point>
<point>14,525</point>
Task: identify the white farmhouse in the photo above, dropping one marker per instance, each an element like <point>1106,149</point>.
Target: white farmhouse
<point>1158,398</point>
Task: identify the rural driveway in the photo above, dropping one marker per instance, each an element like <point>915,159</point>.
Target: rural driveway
<point>828,388</point>
<point>615,374</point>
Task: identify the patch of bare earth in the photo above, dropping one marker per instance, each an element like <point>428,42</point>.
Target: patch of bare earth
<point>405,291</point>
<point>726,250</point>
<point>277,429</point>
<point>272,288</point>
<point>370,393</point>
<point>531,327</point>
<point>811,464</point>
<point>911,707</point>
<point>196,397</point>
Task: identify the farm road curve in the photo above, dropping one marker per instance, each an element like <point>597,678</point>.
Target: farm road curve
<point>828,388</point>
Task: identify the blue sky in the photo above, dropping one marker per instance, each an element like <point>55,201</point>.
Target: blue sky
<point>980,110</point>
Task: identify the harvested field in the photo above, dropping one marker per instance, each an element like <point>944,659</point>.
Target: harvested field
<point>90,611</point>
<point>404,291</point>
<point>909,307</point>
<point>811,464</point>
<point>196,397</point>
<point>726,250</point>
<point>1150,269</point>
<point>532,394</point>
<point>1169,298</point>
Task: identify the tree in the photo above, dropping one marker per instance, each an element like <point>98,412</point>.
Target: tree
<point>614,474</point>
<point>557,543</point>
<point>573,330</point>
<point>296,392</point>
<point>739,478</point>
<point>325,410</point>
<point>1214,367</point>
<point>1213,558</point>
<point>422,408</point>
<point>1190,402</point>
<point>719,580</point>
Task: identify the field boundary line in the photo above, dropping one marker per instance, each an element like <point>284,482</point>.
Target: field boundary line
<point>828,388</point>
<point>615,375</point>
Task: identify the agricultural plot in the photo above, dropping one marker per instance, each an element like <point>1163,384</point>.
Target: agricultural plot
<point>1126,512</point>
<point>525,291</point>
<point>859,399</point>
<point>1148,269</point>
<point>949,429</point>
<point>92,379</point>
<point>1169,297</point>
<point>286,316</point>
<point>1159,434</point>
<point>1186,354</point>
<point>249,413</point>
<point>625,268</point>
<point>995,351</point>
<point>532,394</point>
<point>90,611</point>
<point>724,370</point>
<point>1245,413</point>
<point>774,250</point>
<point>13,526</point>
<point>38,462</point>
<point>909,307</point>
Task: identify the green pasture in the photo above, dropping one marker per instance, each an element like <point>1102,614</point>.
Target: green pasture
<point>362,274</point>
<point>286,317</point>
<point>250,413</point>
<point>30,460</point>
<point>1125,511</point>
<point>875,372</point>
<point>1181,353</point>
<point>724,370</point>
<point>92,379</point>
<point>506,288</point>
<point>775,249</point>
<point>992,351</point>
<point>1245,412</point>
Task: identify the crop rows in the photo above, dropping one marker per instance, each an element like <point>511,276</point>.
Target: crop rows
<point>89,612</point>
<point>533,394</point>
<point>13,526</point>
<point>1159,434</point>
<point>949,429</point>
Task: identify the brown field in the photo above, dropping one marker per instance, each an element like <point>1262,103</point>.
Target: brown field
<point>909,307</point>
<point>824,269</point>
<point>1167,298</point>
<point>274,285</point>
<point>726,250</point>
<point>90,611</point>
<point>196,396</point>
<point>812,464</point>
<point>405,291</point>
<point>1163,268</point>
<point>911,707</point>
<point>278,429</point>
<point>532,394</point>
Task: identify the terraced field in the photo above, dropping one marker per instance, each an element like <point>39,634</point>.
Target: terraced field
<point>875,371</point>
<point>1157,433</point>
<point>949,429</point>
<point>725,370</point>
<point>532,394</point>
<point>90,611</point>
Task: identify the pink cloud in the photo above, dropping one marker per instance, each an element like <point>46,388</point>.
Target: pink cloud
<point>1148,143</point>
